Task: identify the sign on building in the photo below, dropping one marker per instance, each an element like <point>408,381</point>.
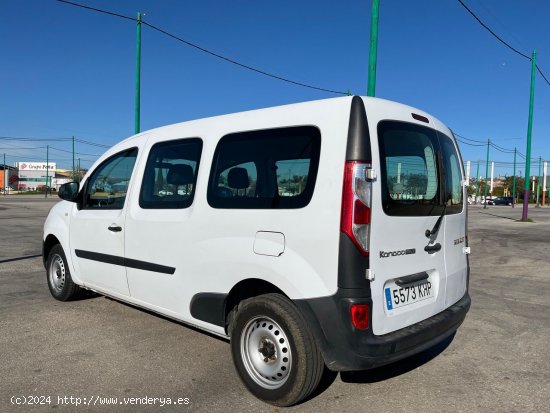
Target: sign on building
<point>35,166</point>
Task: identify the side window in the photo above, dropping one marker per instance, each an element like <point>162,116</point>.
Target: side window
<point>171,174</point>
<point>108,184</point>
<point>267,169</point>
<point>454,194</point>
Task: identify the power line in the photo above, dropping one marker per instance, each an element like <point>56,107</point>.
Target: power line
<point>502,41</point>
<point>481,143</point>
<point>241,64</point>
<point>492,32</point>
<point>11,138</point>
<point>202,49</point>
<point>503,150</point>
<point>26,139</point>
<point>468,139</point>
<point>97,10</point>
<point>542,74</point>
<point>99,145</point>
<point>17,148</point>
<point>76,153</point>
<point>468,143</point>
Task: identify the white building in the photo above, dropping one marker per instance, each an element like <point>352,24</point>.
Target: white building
<point>33,175</point>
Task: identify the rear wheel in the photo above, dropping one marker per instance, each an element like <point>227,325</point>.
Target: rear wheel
<point>274,352</point>
<point>60,283</point>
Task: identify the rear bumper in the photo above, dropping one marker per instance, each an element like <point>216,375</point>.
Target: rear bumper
<point>347,349</point>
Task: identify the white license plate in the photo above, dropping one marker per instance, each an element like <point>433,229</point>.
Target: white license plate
<point>397,296</point>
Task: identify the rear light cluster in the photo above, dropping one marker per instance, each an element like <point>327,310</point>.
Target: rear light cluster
<point>360,316</point>
<point>356,204</point>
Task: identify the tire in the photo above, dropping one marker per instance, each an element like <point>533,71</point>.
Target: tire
<point>273,351</point>
<point>58,275</point>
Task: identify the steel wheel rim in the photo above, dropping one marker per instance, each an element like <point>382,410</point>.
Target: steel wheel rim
<point>56,273</point>
<point>265,351</point>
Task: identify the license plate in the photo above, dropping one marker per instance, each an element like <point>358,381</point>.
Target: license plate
<point>397,296</point>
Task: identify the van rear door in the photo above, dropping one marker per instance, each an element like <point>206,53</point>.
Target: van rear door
<point>456,262</point>
<point>407,233</point>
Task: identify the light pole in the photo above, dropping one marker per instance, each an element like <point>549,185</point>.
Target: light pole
<point>529,132</point>
<point>486,173</point>
<point>514,182</point>
<point>371,90</point>
<point>138,74</point>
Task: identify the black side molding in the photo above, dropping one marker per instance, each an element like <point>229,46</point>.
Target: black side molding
<point>124,262</point>
<point>209,307</point>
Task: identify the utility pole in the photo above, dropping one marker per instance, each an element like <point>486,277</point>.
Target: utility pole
<point>467,180</point>
<point>78,170</point>
<point>514,182</point>
<point>138,73</point>
<point>73,160</point>
<point>529,132</point>
<point>539,182</point>
<point>477,182</point>
<point>486,173</point>
<point>5,174</point>
<point>371,90</point>
<point>47,170</point>
<point>492,176</point>
<point>544,174</point>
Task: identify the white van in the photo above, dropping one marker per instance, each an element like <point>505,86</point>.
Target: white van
<point>328,233</point>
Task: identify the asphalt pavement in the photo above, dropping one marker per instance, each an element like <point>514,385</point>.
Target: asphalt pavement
<point>99,351</point>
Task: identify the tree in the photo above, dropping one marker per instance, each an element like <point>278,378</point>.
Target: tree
<point>12,180</point>
<point>417,184</point>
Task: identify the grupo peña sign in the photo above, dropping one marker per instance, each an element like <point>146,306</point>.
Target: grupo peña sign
<point>36,166</point>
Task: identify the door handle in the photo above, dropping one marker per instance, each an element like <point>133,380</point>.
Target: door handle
<point>409,279</point>
<point>430,249</point>
<point>115,228</point>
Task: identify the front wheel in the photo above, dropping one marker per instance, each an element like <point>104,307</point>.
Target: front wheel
<point>273,351</point>
<point>60,283</point>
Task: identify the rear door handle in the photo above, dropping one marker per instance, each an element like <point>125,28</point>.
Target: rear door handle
<point>430,249</point>
<point>115,228</point>
<point>409,279</point>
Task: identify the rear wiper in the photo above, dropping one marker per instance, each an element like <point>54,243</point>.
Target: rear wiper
<point>434,230</point>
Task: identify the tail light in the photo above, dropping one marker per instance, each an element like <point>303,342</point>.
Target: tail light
<point>356,204</point>
<point>360,316</point>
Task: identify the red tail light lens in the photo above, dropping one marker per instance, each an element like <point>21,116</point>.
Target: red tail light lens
<point>361,213</point>
<point>360,316</point>
<point>356,202</point>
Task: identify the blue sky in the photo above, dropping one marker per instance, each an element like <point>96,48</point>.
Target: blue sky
<point>67,71</point>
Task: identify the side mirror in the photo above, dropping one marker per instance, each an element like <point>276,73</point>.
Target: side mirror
<point>69,191</point>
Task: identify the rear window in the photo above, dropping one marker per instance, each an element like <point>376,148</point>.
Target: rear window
<point>266,169</point>
<point>416,180</point>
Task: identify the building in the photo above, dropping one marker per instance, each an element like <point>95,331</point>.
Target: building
<point>7,174</point>
<point>62,176</point>
<point>33,175</point>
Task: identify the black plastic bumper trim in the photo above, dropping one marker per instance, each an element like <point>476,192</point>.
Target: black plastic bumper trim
<point>209,307</point>
<point>347,349</point>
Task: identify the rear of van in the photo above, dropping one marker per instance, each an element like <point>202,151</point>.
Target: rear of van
<point>403,256</point>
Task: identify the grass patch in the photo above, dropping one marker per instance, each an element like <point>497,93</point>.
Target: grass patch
<point>33,193</point>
